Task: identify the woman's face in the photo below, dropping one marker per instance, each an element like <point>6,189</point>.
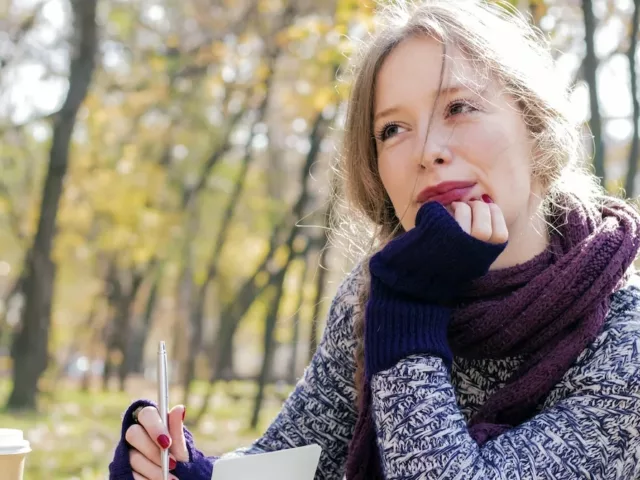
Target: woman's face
<point>475,136</point>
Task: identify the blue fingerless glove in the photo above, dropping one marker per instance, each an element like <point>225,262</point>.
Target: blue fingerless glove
<point>414,279</point>
<point>199,467</point>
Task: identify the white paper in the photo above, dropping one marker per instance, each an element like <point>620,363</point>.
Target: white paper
<point>298,463</point>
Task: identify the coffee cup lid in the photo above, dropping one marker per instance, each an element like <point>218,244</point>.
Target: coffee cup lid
<point>12,441</point>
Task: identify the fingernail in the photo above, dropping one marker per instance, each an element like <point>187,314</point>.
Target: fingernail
<point>486,198</point>
<point>164,441</point>
<point>172,463</point>
<point>184,412</point>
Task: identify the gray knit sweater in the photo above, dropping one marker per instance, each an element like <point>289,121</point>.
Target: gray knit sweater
<point>587,428</point>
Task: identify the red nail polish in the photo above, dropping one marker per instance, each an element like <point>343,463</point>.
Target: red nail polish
<point>172,464</point>
<point>486,198</point>
<point>184,412</point>
<point>164,441</point>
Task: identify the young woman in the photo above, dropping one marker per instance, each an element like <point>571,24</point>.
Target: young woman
<point>494,332</point>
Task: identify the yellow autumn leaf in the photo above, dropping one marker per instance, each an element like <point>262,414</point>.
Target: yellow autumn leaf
<point>262,72</point>
<point>297,33</point>
<point>322,97</point>
<point>158,64</point>
<point>172,41</point>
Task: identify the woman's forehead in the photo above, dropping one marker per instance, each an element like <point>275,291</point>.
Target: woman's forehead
<point>423,66</point>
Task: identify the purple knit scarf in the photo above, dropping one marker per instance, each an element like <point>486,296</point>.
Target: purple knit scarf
<point>547,310</point>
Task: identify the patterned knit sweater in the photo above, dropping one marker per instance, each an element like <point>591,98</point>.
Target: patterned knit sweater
<point>587,428</point>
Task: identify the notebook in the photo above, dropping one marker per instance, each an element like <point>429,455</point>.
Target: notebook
<point>292,464</point>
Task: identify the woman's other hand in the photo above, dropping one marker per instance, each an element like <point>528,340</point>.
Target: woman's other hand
<point>149,437</point>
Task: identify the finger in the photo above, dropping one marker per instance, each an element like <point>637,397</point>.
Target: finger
<point>176,430</point>
<point>137,476</point>
<point>137,437</point>
<point>149,418</point>
<point>500,232</point>
<point>481,221</point>
<point>462,214</point>
<point>145,467</point>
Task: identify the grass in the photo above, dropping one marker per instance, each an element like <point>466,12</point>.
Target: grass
<point>74,433</point>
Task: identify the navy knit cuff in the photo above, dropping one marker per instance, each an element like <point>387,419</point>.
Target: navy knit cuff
<point>120,468</point>
<point>199,467</point>
<point>396,328</point>
<point>434,261</point>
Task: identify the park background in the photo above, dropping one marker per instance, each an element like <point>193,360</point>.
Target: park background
<point>166,171</point>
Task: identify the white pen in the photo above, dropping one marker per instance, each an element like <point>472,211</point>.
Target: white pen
<point>163,402</point>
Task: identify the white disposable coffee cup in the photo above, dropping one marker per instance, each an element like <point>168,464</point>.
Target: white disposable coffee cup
<point>13,453</point>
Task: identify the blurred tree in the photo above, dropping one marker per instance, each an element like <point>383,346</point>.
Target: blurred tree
<point>634,150</point>
<point>591,74</point>
<point>197,314</point>
<point>297,316</point>
<point>316,46</point>
<point>318,132</point>
<point>320,285</point>
<point>30,347</point>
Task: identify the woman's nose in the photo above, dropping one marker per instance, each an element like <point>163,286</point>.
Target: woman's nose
<point>432,151</point>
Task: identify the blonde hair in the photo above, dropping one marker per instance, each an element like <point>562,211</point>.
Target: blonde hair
<point>497,40</point>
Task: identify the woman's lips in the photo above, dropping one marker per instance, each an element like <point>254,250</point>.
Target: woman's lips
<point>451,196</point>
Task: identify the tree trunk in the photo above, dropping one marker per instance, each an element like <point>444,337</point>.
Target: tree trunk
<point>295,334</point>
<point>30,347</point>
<point>121,295</point>
<point>232,312</point>
<point>320,288</point>
<point>185,291</point>
<point>270,325</point>
<point>80,340</point>
<point>113,293</point>
<point>295,339</point>
<point>590,73</point>
<point>107,371</point>
<point>195,341</point>
<point>634,151</point>
<point>14,291</point>
<point>320,278</point>
<point>137,360</point>
<point>91,348</point>
<point>85,381</point>
<point>221,357</point>
<point>124,331</point>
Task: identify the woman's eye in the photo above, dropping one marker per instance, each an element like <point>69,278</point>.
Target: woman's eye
<point>460,106</point>
<point>388,131</point>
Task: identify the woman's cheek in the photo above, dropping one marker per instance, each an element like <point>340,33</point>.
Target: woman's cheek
<point>488,142</point>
